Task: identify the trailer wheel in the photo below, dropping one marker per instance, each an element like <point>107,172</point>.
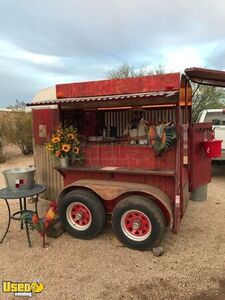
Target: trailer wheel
<point>138,223</point>
<point>82,214</point>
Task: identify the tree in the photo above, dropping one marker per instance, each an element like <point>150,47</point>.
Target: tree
<point>19,130</point>
<point>125,71</point>
<point>19,106</point>
<point>206,97</point>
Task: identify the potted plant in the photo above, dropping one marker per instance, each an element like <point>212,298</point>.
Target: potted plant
<point>64,144</point>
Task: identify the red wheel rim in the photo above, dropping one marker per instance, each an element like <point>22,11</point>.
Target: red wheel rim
<point>78,216</point>
<point>136,225</point>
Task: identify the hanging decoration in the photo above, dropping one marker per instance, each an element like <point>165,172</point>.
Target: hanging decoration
<point>162,137</point>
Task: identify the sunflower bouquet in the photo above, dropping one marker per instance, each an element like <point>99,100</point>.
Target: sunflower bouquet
<point>64,142</point>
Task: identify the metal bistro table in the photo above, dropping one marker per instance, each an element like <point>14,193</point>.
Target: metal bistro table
<point>21,194</point>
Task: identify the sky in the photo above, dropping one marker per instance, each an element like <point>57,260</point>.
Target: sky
<point>46,42</point>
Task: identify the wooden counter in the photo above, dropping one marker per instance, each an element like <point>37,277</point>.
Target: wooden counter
<point>157,172</point>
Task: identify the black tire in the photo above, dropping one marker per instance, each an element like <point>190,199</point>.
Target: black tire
<point>140,212</point>
<point>87,206</point>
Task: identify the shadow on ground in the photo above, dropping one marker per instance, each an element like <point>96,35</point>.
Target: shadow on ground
<point>220,295</point>
<point>218,169</point>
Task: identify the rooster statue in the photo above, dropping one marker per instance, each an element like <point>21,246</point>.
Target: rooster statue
<point>162,137</point>
<point>40,224</point>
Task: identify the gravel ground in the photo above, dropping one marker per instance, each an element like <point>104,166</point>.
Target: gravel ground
<point>193,266</point>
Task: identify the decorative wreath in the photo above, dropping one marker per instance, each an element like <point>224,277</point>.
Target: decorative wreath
<point>162,137</point>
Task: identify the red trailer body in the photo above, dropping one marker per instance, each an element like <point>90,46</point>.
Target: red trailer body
<point>143,191</point>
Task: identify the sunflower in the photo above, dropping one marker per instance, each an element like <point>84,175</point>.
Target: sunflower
<point>64,142</point>
<point>76,150</point>
<point>66,147</point>
<point>49,147</point>
<point>55,139</point>
<point>71,136</point>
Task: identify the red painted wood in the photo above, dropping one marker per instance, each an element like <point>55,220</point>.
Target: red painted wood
<point>90,123</point>
<point>77,175</point>
<point>92,155</point>
<point>108,155</point>
<point>130,178</point>
<point>166,184</point>
<point>170,188</point>
<point>119,86</point>
<point>200,164</point>
<point>48,117</point>
<point>127,156</point>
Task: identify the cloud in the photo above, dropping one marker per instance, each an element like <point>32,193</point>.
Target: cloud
<point>112,28</point>
<point>45,42</point>
<point>180,58</point>
<point>217,57</point>
<point>11,51</point>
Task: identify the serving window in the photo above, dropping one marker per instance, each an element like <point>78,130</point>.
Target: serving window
<point>113,125</point>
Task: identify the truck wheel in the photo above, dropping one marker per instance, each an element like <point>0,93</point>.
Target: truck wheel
<point>82,214</point>
<point>138,223</point>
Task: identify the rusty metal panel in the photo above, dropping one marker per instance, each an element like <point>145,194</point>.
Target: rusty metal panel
<point>206,76</point>
<point>142,84</point>
<point>121,119</point>
<point>45,172</point>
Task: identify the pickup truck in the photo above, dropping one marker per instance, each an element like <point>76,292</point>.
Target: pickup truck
<point>217,117</point>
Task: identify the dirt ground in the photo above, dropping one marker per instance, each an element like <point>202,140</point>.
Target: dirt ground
<point>193,266</point>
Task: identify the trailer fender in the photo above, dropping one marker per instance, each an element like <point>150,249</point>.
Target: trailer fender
<point>113,190</point>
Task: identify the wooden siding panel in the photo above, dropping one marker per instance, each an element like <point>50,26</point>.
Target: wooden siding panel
<point>164,183</point>
<point>45,117</point>
<point>130,178</point>
<point>200,164</point>
<point>129,156</point>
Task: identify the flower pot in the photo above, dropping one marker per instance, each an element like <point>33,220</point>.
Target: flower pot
<point>64,162</point>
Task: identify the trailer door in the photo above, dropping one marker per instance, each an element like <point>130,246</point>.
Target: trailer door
<point>200,164</point>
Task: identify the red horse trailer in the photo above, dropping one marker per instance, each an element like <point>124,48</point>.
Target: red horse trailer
<point>143,181</point>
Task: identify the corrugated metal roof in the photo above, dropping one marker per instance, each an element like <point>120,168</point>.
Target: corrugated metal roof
<point>164,94</point>
<point>206,76</point>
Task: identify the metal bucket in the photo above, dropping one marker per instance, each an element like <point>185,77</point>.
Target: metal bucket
<point>19,178</point>
<point>213,148</point>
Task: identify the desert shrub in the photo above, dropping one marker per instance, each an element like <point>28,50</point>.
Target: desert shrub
<point>19,132</point>
<point>2,130</point>
<point>2,154</point>
<point>19,128</point>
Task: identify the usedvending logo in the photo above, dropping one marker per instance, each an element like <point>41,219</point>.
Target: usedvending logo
<point>22,289</point>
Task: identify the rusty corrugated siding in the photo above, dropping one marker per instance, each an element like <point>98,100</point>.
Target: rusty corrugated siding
<point>164,94</point>
<point>45,172</point>
<point>121,119</point>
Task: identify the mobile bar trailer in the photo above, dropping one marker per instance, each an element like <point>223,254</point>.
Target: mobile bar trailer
<point>144,191</point>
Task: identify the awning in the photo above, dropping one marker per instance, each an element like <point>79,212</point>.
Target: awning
<point>138,98</point>
<point>206,76</point>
